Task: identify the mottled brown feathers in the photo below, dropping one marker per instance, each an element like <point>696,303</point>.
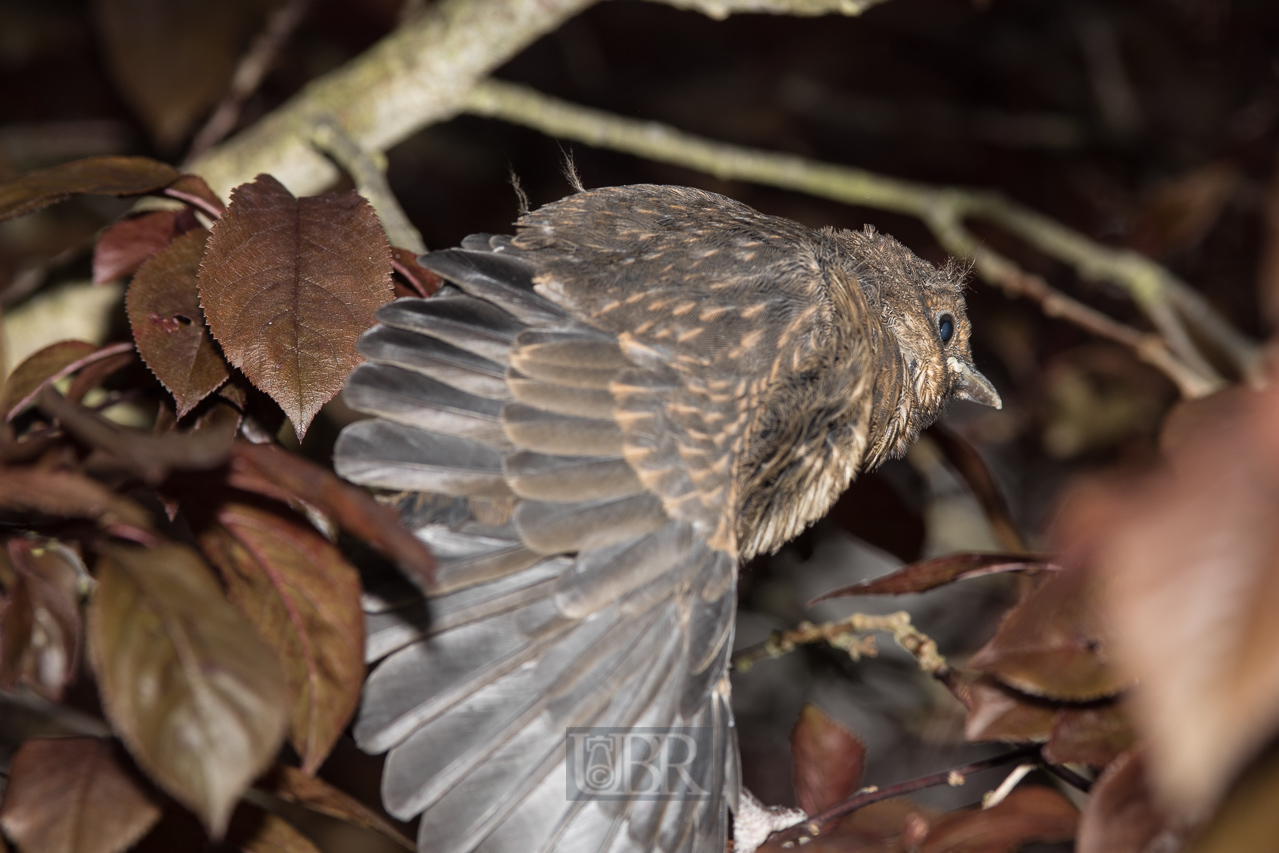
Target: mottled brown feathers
<point>607,411</point>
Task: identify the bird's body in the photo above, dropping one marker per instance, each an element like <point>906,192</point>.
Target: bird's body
<point>608,411</point>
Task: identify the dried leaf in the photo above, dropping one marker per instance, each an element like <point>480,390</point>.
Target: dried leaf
<point>1121,815</point>
<point>303,599</point>
<point>119,176</point>
<point>73,795</point>
<point>268,470</point>
<point>124,246</point>
<point>1051,644</point>
<point>148,456</point>
<point>197,697</point>
<point>1094,735</point>
<point>1029,814</point>
<point>999,713</point>
<point>939,571</point>
<point>48,365</point>
<point>826,760</point>
<point>967,462</point>
<point>67,494</point>
<point>40,625</point>
<point>1179,214</point>
<point>256,831</point>
<point>193,190</point>
<point>288,285</point>
<point>173,59</point>
<point>1187,559</point>
<point>423,282</point>
<point>291,784</point>
<point>163,304</point>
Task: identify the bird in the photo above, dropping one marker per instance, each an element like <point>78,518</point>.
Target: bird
<point>592,424</point>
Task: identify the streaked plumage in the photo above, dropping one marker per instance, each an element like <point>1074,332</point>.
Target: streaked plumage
<point>591,424</point>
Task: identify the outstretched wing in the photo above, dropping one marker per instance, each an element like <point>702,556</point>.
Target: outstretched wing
<point>568,594</point>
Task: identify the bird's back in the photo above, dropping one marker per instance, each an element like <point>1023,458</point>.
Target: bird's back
<point>589,425</point>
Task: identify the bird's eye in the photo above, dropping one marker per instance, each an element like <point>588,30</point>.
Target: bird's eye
<point>946,327</point>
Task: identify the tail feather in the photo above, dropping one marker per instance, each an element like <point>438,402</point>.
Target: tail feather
<point>578,602</point>
<point>452,365</point>
<point>499,278</point>
<point>389,455</point>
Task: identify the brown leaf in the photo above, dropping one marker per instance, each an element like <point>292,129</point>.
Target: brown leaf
<point>268,470</point>
<point>173,59</point>
<point>1179,214</point>
<point>1029,814</point>
<point>40,625</point>
<point>256,831</point>
<point>124,246</point>
<point>193,190</point>
<point>939,571</point>
<point>999,713</point>
<point>1187,560</point>
<point>163,304</point>
<point>48,365</point>
<point>1121,815</point>
<point>1051,644</point>
<point>291,784</point>
<point>1094,735</point>
<point>148,456</point>
<point>967,462</point>
<point>68,494</point>
<point>73,795</point>
<point>288,285</point>
<point>303,599</point>
<point>197,697</point>
<point>423,282</point>
<point>826,760</point>
<point>119,176</point>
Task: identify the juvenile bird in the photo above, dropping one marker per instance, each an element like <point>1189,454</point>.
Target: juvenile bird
<point>591,425</point>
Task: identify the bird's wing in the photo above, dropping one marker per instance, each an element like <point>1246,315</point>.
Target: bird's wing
<point>717,307</point>
<point>569,595</point>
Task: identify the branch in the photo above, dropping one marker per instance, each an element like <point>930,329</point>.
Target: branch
<point>1151,287</point>
<point>419,75</point>
<point>867,796</point>
<point>845,635</point>
<point>249,73</point>
<point>721,9</point>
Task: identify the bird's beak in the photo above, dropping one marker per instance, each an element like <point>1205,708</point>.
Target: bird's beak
<point>971,385</point>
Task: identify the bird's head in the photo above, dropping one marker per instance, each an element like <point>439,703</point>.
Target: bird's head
<point>923,309</point>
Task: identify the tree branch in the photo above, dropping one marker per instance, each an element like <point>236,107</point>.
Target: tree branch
<point>1152,288</point>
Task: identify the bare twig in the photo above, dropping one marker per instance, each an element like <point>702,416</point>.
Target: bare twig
<point>720,9</point>
<point>250,72</point>
<point>418,75</point>
<point>846,635</point>
<point>370,180</point>
<point>1150,286</point>
<point>867,796</point>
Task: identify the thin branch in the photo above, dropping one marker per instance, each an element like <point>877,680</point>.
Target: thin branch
<point>720,9</point>
<point>418,75</point>
<point>1150,286</point>
<point>867,796</point>
<point>249,74</point>
<point>846,635</point>
<point>370,180</point>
